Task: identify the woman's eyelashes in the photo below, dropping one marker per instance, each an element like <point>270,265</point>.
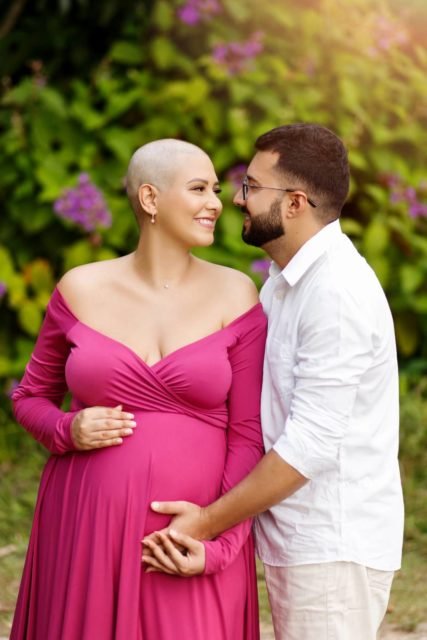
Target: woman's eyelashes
<point>203,188</point>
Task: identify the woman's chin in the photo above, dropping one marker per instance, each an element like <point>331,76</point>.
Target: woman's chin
<point>204,240</point>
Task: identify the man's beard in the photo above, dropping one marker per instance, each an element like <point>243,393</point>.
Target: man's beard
<point>265,227</point>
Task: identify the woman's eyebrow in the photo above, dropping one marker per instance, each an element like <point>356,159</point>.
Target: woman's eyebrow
<point>202,180</point>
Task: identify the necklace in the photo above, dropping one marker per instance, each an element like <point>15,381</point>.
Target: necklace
<point>166,285</point>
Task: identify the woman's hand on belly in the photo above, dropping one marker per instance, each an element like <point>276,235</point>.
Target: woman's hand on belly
<point>174,553</point>
<point>98,427</point>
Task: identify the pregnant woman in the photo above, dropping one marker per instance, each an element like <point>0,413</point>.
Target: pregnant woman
<point>162,354</point>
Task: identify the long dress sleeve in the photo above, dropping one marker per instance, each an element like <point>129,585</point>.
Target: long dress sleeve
<point>38,397</point>
<point>244,436</point>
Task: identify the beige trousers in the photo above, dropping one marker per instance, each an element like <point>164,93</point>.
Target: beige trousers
<point>330,601</point>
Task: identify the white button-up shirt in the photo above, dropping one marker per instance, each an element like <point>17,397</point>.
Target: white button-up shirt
<point>330,409</point>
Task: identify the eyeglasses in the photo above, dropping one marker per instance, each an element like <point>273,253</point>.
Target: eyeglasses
<point>246,187</point>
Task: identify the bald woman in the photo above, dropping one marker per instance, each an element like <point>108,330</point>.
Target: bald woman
<point>162,355</point>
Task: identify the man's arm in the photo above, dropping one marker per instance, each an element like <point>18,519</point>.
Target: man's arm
<point>270,482</point>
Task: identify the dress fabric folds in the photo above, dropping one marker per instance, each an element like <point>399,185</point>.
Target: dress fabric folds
<point>198,433</point>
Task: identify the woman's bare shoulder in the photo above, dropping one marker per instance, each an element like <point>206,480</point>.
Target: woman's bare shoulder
<point>235,288</point>
<point>84,282</point>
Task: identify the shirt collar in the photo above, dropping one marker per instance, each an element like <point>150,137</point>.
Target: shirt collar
<point>307,254</point>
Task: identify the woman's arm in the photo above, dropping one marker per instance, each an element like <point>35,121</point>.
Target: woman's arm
<point>38,398</point>
<point>244,449</point>
<point>244,437</point>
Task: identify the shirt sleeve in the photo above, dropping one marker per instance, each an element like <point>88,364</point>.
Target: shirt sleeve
<point>336,346</point>
<point>38,397</point>
<point>244,438</point>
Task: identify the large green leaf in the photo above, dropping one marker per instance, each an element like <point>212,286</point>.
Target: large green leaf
<point>411,277</point>
<point>376,238</point>
<point>30,317</point>
<point>127,53</point>
<point>407,333</point>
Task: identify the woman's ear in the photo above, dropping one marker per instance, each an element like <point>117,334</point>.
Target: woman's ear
<point>147,198</point>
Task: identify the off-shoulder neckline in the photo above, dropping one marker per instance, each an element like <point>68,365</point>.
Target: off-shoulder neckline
<point>130,350</point>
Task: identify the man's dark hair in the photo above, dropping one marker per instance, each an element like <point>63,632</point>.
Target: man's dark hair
<point>313,158</point>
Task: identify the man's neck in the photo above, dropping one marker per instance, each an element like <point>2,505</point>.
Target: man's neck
<point>283,249</point>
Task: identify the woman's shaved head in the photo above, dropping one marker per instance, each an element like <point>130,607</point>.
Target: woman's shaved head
<point>156,163</point>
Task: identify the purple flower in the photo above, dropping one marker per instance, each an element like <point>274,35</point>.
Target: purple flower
<point>84,205</point>
<point>387,34</point>
<point>262,267</point>
<point>3,289</point>
<point>194,11</point>
<point>410,194</point>
<point>417,210</point>
<point>220,52</point>
<point>189,14</point>
<point>406,194</point>
<point>236,55</point>
<point>236,174</point>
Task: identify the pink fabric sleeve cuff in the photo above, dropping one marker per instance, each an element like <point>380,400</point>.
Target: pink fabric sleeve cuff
<point>63,441</point>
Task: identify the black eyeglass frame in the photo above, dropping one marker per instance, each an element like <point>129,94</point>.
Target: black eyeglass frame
<point>246,187</point>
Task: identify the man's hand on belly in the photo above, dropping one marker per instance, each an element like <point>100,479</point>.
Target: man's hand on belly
<point>188,518</point>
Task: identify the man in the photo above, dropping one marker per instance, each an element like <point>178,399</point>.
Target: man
<point>328,489</point>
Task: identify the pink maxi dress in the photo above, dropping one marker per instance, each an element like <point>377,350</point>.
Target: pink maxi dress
<point>198,433</point>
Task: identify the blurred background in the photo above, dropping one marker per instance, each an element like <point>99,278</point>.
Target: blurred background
<point>83,84</point>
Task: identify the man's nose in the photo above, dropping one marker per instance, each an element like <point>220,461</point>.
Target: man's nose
<point>238,198</point>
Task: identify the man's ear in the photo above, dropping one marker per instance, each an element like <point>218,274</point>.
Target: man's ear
<point>147,198</point>
<point>297,204</point>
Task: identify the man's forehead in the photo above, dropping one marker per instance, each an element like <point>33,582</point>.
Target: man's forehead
<point>263,163</point>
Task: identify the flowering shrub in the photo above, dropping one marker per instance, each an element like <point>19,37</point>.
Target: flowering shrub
<point>84,205</point>
<point>401,192</point>
<point>194,11</point>
<point>387,34</point>
<point>236,56</point>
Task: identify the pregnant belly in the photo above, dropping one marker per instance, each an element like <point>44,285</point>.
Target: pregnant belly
<point>168,457</point>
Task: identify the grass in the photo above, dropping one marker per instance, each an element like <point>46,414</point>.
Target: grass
<point>20,468</point>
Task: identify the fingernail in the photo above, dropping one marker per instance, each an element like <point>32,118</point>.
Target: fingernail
<point>173,533</point>
<point>155,505</point>
<point>129,415</point>
<point>133,423</point>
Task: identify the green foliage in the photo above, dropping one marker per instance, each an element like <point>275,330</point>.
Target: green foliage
<point>356,67</point>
